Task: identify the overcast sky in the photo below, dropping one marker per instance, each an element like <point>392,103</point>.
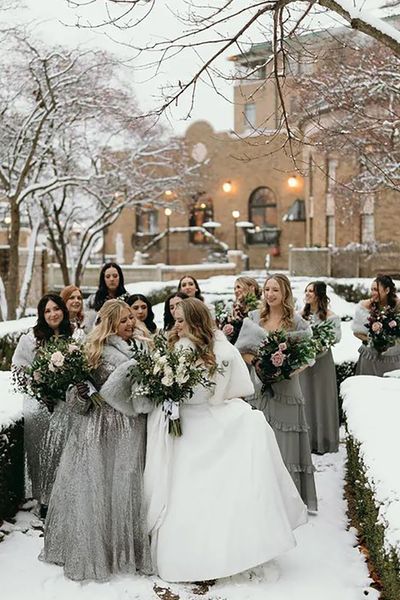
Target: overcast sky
<point>56,24</point>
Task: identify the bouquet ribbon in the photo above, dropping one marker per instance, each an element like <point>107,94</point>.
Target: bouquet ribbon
<point>171,409</point>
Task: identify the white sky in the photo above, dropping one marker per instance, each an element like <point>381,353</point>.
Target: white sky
<point>55,24</point>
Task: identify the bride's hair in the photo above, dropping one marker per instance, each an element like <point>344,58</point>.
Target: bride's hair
<point>201,329</point>
<point>287,301</point>
<point>108,320</point>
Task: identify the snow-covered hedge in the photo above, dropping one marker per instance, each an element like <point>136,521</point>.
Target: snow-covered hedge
<point>10,332</point>
<point>372,409</point>
<point>11,448</point>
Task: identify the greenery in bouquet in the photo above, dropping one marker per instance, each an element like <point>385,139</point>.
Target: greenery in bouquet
<point>229,317</point>
<point>168,376</point>
<point>324,336</point>
<point>59,363</point>
<point>383,327</point>
<point>281,354</point>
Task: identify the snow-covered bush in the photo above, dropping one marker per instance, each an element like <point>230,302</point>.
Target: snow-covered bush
<point>343,371</point>
<point>350,292</point>
<point>11,469</point>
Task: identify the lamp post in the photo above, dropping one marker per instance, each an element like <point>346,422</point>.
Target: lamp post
<point>168,213</point>
<point>235,215</point>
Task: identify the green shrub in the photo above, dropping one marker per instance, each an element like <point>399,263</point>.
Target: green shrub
<point>343,371</point>
<point>11,469</point>
<point>8,343</point>
<point>159,296</point>
<point>350,291</point>
<point>363,513</point>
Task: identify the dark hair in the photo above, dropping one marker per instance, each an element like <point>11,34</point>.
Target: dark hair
<point>102,293</point>
<point>387,282</point>
<point>149,321</point>
<point>319,288</point>
<point>196,283</point>
<point>42,330</point>
<point>169,320</point>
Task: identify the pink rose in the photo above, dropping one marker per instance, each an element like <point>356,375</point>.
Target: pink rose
<point>227,329</point>
<point>377,327</point>
<point>37,376</point>
<point>277,358</point>
<point>72,348</point>
<point>282,346</point>
<point>392,323</point>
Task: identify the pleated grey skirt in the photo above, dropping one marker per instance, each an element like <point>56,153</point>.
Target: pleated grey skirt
<point>284,410</point>
<point>318,384</point>
<point>370,362</point>
<point>96,522</point>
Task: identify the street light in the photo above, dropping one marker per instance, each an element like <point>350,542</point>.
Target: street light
<point>235,215</point>
<point>168,213</point>
<point>227,187</point>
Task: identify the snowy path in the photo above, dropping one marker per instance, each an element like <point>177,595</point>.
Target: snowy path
<point>324,566</point>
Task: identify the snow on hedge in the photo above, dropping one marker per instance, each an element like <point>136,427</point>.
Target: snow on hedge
<point>17,326</point>
<point>372,407</point>
<point>10,402</point>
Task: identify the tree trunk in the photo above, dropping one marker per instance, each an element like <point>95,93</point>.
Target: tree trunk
<point>13,272</point>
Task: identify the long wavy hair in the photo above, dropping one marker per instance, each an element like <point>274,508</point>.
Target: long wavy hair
<point>387,282</point>
<point>102,293</point>
<point>287,302</point>
<point>201,329</point>
<point>42,330</point>
<point>249,285</point>
<point>198,293</point>
<point>149,321</point>
<point>319,289</point>
<point>66,294</point>
<point>108,321</point>
<point>169,320</point>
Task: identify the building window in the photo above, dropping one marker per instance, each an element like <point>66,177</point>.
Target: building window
<point>146,221</point>
<point>201,211</point>
<point>250,114</point>
<point>263,211</point>
<point>330,230</point>
<point>367,229</point>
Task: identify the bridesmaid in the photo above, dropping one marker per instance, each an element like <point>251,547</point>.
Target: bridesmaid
<point>143,311</point>
<point>318,382</point>
<point>45,425</point>
<point>284,409</point>
<point>190,286</point>
<point>169,309</point>
<point>96,522</point>
<point>111,286</point>
<point>371,362</point>
<point>73,299</point>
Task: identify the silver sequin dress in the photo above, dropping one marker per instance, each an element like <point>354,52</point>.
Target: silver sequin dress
<point>284,408</point>
<point>44,432</point>
<point>96,522</point>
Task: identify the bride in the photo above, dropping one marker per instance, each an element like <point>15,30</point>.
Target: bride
<point>219,498</point>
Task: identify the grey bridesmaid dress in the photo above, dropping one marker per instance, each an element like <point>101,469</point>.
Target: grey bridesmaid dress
<point>319,387</point>
<point>284,408</point>
<point>96,521</point>
<point>371,362</point>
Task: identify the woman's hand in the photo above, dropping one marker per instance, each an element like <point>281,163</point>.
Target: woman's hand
<point>361,336</point>
<point>49,404</point>
<point>83,390</point>
<point>248,358</point>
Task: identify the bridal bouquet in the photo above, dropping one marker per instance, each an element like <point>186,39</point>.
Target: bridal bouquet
<point>324,336</point>
<point>281,354</point>
<point>59,363</point>
<point>167,376</point>
<point>383,327</point>
<point>229,318</point>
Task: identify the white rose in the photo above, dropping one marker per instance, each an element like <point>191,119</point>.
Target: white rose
<point>167,380</point>
<point>72,348</point>
<point>57,359</point>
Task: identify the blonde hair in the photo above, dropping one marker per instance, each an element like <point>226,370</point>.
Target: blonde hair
<point>110,317</point>
<point>249,285</point>
<point>66,294</point>
<point>201,329</point>
<point>288,309</point>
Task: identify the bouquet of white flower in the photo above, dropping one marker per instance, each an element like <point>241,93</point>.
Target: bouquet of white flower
<point>167,376</point>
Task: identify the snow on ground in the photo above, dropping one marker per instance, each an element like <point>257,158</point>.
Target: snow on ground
<point>324,565</point>
<point>372,407</point>
<point>11,402</point>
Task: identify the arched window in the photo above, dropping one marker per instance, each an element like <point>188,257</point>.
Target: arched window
<point>201,211</point>
<point>263,210</point>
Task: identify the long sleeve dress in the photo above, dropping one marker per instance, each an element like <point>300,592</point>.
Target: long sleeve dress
<point>284,409</point>
<point>45,433</point>
<point>219,497</point>
<point>319,387</point>
<point>371,362</point>
<point>96,521</point>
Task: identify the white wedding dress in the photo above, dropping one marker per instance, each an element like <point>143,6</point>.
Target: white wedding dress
<point>219,498</point>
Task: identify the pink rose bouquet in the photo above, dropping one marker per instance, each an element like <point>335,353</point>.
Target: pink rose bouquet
<point>383,327</point>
